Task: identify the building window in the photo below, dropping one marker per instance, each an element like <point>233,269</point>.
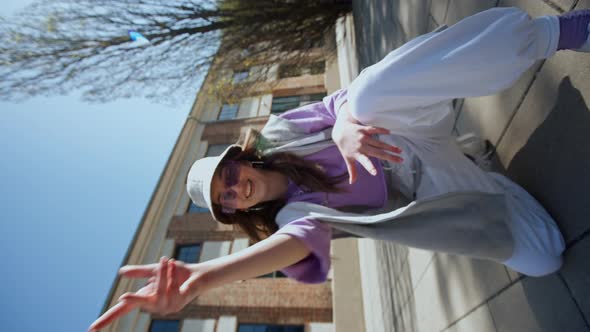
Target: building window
<point>287,70</point>
<point>228,112</point>
<point>282,104</point>
<point>269,328</point>
<point>160,325</point>
<point>293,70</point>
<point>192,208</point>
<point>188,253</point>
<point>240,76</point>
<point>317,68</point>
<point>216,149</point>
<point>275,274</point>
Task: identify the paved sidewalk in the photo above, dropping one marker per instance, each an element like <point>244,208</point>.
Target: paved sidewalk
<point>540,128</point>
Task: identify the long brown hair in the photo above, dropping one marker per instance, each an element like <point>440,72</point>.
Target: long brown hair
<point>258,222</point>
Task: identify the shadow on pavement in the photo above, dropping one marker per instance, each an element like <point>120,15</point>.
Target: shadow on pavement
<point>554,166</point>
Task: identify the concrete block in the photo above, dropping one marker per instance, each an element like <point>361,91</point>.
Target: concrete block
<point>438,10</point>
<point>533,7</point>
<point>321,327</point>
<point>459,9</point>
<point>393,255</point>
<point>417,263</point>
<point>541,148</point>
<point>406,320</point>
<point>143,322</point>
<point>347,296</point>
<point>565,5</point>
<point>377,29</point>
<point>204,325</point>
<point>576,274</point>
<point>479,320</point>
<point>375,291</point>
<point>432,24</point>
<point>346,49</point>
<point>413,17</point>
<point>403,291</point>
<point>513,275</point>
<point>452,286</point>
<point>489,116</point>
<point>536,304</point>
<point>582,4</point>
<point>227,324</point>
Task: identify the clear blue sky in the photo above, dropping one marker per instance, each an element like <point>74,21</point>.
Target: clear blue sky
<point>75,179</point>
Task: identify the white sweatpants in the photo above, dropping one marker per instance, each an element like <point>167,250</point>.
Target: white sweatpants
<point>410,90</point>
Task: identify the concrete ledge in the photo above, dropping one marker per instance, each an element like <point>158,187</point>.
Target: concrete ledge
<point>347,295</point>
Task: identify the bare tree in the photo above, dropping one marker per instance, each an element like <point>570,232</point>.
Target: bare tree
<point>54,47</point>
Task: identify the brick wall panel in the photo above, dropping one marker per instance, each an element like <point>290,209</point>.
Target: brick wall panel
<point>280,300</point>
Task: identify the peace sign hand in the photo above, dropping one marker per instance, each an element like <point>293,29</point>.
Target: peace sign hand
<point>168,290</point>
<point>356,143</point>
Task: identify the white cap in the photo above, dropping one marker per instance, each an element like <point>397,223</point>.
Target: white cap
<point>198,183</point>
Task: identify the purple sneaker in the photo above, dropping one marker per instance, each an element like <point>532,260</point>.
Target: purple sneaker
<point>574,31</point>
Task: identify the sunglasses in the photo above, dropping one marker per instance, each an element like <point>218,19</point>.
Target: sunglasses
<point>230,175</point>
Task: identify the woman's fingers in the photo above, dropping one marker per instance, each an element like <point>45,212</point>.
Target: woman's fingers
<point>170,277</point>
<point>375,130</point>
<point>351,167</point>
<point>134,298</point>
<point>118,310</point>
<point>138,271</point>
<point>378,153</point>
<point>162,277</point>
<point>173,278</point>
<point>366,163</point>
<point>377,143</point>
<point>188,286</point>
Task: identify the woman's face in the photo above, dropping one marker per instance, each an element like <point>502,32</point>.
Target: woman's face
<point>252,186</point>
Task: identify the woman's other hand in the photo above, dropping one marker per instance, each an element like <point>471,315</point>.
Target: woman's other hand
<point>170,287</point>
<point>356,142</point>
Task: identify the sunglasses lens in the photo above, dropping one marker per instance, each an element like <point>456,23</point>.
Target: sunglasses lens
<point>228,201</point>
<point>231,174</point>
<point>229,196</point>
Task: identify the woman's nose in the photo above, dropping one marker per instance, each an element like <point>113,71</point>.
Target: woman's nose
<point>240,188</point>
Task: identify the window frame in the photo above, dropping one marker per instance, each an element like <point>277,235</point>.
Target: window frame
<point>197,209</point>
<point>180,246</point>
<point>237,73</point>
<point>225,109</point>
<point>298,327</point>
<point>302,100</point>
<point>179,326</point>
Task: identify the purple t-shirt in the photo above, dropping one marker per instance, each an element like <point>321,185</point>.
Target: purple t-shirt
<point>368,190</point>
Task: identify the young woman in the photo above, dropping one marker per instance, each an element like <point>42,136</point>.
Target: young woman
<point>287,188</point>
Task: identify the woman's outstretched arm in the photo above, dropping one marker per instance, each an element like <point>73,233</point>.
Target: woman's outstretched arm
<point>172,285</point>
<point>268,255</point>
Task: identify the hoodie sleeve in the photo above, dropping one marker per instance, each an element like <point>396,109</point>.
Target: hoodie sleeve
<point>317,116</point>
<point>316,237</point>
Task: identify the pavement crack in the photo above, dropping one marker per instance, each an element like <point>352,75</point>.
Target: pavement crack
<point>571,294</point>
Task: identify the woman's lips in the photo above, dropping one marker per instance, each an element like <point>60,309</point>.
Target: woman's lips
<point>250,189</point>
